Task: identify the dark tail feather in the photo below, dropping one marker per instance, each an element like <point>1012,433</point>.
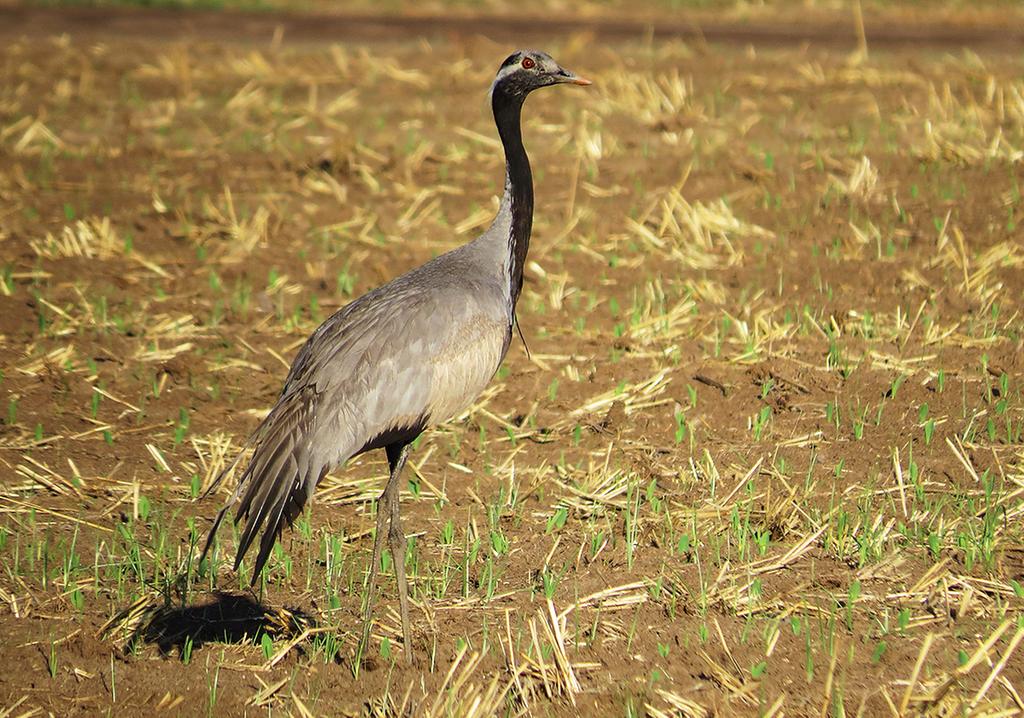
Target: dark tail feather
<point>268,476</point>
<point>287,507</point>
<point>234,494</point>
<point>213,531</point>
<point>275,526</point>
<point>234,497</point>
<point>272,490</point>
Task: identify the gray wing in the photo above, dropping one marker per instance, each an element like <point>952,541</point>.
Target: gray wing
<point>412,352</point>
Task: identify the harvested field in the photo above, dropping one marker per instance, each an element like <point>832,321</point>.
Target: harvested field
<point>765,455</point>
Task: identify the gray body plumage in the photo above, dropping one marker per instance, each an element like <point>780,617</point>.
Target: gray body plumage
<point>411,353</point>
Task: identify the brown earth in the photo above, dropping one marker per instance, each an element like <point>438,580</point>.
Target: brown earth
<point>765,452</point>
<point>1000,26</point>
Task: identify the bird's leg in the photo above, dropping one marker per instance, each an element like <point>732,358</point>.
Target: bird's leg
<point>387,507</point>
<point>397,544</point>
<point>383,515</point>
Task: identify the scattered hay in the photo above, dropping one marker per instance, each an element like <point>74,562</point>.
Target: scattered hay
<point>860,184</point>
<point>91,238</point>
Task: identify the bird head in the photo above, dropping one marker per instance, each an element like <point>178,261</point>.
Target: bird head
<point>527,70</point>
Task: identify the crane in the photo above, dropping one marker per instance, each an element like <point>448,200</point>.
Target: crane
<point>412,353</point>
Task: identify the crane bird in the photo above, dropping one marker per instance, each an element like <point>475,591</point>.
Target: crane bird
<point>412,353</point>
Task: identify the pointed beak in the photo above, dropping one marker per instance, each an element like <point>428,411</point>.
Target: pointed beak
<point>571,78</point>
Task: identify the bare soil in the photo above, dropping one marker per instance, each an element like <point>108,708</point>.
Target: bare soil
<point>764,455</point>
<point>995,26</point>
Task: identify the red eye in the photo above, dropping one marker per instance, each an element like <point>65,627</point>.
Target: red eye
<point>528,63</point>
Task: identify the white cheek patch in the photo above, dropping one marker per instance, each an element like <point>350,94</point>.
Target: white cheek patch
<point>502,74</point>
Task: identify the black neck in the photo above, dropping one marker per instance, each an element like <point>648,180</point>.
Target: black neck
<point>507,107</point>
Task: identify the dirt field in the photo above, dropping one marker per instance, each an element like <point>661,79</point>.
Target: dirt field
<point>765,455</point>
